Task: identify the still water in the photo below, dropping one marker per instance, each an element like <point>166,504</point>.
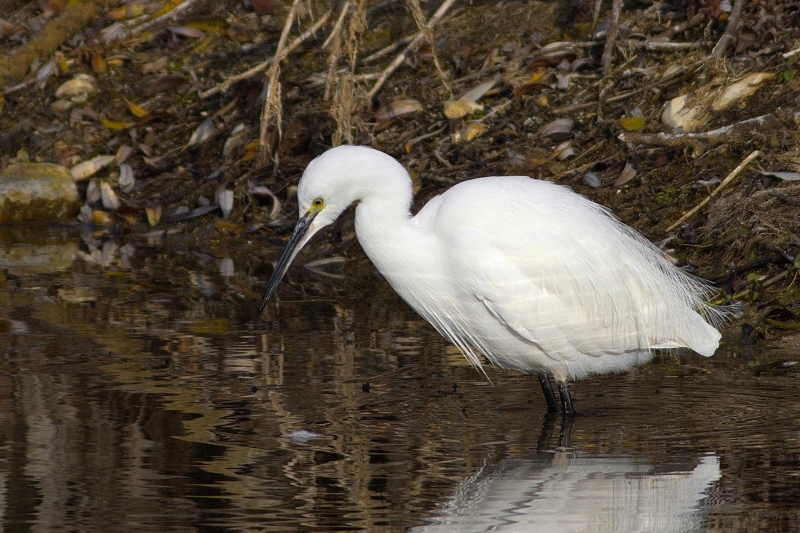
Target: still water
<point>138,393</point>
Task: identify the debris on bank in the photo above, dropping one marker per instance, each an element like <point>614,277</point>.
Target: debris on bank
<point>202,116</point>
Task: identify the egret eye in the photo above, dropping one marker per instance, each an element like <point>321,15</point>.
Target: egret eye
<point>319,202</point>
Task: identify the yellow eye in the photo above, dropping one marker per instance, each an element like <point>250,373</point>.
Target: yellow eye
<point>319,202</point>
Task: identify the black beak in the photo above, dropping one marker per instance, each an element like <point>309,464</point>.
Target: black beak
<point>300,230</point>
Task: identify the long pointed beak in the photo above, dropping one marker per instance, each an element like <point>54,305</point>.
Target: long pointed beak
<point>299,237</point>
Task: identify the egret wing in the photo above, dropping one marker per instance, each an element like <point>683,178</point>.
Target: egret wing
<point>562,272</point>
<point>526,299</point>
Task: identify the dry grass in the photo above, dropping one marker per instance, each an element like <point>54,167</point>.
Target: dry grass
<point>348,99</point>
<point>419,20</point>
<point>767,217</point>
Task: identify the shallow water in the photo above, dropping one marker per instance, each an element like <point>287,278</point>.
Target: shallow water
<point>139,394</point>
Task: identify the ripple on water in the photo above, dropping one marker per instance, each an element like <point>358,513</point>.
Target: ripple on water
<point>152,401</point>
<point>572,492</point>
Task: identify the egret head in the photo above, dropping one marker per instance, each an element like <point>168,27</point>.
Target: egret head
<point>330,184</point>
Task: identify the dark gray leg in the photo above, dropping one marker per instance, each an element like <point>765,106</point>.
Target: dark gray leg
<point>549,395</point>
<point>566,399</point>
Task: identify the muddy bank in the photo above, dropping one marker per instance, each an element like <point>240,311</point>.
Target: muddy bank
<point>157,110</point>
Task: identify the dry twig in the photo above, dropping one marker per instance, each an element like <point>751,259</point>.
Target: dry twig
<point>735,172</point>
<point>419,19</point>
<point>696,20</point>
<point>730,30</point>
<point>596,12</point>
<point>337,28</point>
<point>611,37</point>
<point>791,53</point>
<point>386,50</point>
<point>170,14</point>
<point>271,112</point>
<point>347,97</point>
<point>335,38</point>
<point>701,142</point>
<point>261,67</point>
<point>658,46</point>
<point>412,46</point>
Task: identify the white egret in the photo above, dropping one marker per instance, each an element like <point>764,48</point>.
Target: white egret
<point>531,275</point>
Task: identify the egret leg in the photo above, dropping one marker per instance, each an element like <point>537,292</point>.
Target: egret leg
<point>547,389</point>
<point>566,399</point>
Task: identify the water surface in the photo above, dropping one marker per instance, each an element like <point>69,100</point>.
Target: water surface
<point>139,394</point>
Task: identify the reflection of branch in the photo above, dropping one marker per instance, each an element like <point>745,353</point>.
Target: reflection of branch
<point>225,85</point>
<point>413,45</point>
<point>701,142</point>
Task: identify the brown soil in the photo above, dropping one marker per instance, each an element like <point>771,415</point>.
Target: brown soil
<point>747,240</point>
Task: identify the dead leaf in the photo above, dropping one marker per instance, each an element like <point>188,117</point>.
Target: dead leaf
<point>564,151</point>
<point>77,88</point>
<point>187,31</point>
<point>126,178</point>
<point>741,89</point>
<point>398,108</point>
<point>785,176</point>
<point>154,214</point>
<point>202,133</point>
<point>109,197</point>
<point>137,111</point>
<point>456,109</point>
<point>528,88</point>
<point>470,132</point>
<point>47,70</point>
<point>63,65</point>
<point>124,152</point>
<point>155,66</point>
<point>225,201</point>
<point>101,218</point>
<point>168,82</point>
<point>632,123</point>
<point>129,11</point>
<point>83,170</point>
<point>559,130</point>
<point>537,75</point>
<point>551,59</point>
<point>591,179</point>
<point>169,6</point>
<point>116,124</point>
<point>476,93</point>
<point>98,63</point>
<point>627,174</point>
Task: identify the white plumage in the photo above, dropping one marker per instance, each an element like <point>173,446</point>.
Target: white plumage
<point>529,274</point>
